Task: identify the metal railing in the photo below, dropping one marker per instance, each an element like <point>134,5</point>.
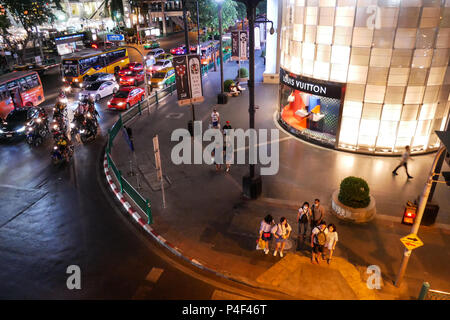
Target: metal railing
<point>429,294</point>
<point>125,186</point>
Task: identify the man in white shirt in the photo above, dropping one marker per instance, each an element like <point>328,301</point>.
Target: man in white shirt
<point>215,118</point>
<point>405,157</point>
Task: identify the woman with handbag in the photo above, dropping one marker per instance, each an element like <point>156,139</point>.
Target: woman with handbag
<point>265,234</point>
<point>281,232</point>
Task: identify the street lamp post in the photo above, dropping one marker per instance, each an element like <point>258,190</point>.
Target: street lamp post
<point>251,183</point>
<point>198,31</point>
<point>188,51</point>
<point>222,97</point>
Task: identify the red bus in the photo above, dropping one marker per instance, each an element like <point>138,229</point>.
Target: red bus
<point>20,89</point>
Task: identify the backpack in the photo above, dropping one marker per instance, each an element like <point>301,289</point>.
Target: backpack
<point>321,238</point>
<point>304,218</point>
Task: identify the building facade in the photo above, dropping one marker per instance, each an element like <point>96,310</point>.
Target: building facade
<point>369,76</point>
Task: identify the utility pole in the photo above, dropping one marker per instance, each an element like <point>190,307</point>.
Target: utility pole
<point>222,97</point>
<point>198,32</point>
<point>420,211</point>
<point>188,49</point>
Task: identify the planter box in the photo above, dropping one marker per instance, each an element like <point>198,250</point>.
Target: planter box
<point>346,213</point>
<point>242,79</point>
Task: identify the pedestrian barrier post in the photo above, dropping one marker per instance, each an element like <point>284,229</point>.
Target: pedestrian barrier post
<point>149,212</point>
<point>424,291</point>
<point>120,181</point>
<point>156,96</point>
<point>139,107</point>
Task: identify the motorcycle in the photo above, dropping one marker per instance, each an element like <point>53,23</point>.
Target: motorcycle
<point>58,127</point>
<point>59,155</point>
<point>37,130</point>
<point>88,129</point>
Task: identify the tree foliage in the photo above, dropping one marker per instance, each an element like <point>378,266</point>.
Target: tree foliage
<point>209,14</point>
<point>28,14</point>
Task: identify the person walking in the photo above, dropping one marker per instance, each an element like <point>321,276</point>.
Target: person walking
<point>265,233</point>
<point>226,127</point>
<point>215,118</point>
<point>318,241</point>
<point>404,162</point>
<point>303,218</point>
<point>332,239</point>
<point>281,232</point>
<point>228,150</point>
<point>317,213</point>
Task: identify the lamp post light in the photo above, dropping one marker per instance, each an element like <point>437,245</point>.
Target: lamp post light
<point>251,183</point>
<point>222,98</point>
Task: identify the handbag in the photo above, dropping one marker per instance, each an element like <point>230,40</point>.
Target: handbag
<point>260,244</point>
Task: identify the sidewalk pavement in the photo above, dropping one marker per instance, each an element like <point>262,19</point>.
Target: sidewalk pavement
<point>207,218</point>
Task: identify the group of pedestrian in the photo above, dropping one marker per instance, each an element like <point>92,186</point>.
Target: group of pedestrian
<point>280,232</point>
<point>227,152</point>
<point>323,237</point>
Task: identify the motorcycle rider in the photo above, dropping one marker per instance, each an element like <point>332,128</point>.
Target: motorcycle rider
<point>64,144</point>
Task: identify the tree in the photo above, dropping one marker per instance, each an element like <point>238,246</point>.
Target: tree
<point>28,14</point>
<point>209,17</point>
<point>114,8</point>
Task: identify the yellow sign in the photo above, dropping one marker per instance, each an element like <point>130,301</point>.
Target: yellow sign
<point>411,241</point>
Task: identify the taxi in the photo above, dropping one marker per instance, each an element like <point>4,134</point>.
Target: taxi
<point>163,78</point>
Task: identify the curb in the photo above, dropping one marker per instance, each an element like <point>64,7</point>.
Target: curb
<point>135,215</point>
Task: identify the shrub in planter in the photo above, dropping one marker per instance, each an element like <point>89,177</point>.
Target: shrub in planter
<point>243,73</point>
<point>227,84</point>
<point>354,192</point>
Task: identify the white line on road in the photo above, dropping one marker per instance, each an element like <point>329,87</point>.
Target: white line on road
<point>154,275</point>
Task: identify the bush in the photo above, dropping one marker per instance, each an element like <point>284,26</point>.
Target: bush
<point>227,84</point>
<point>354,192</point>
<point>263,53</point>
<point>243,73</point>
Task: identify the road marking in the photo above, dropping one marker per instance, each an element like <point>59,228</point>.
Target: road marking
<point>154,275</point>
<point>223,295</point>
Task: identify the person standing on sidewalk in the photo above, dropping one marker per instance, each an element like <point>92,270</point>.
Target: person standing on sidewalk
<point>226,127</point>
<point>318,241</point>
<point>317,213</point>
<point>264,232</point>
<point>404,162</point>
<point>215,118</point>
<point>281,231</point>
<point>332,239</point>
<point>303,218</point>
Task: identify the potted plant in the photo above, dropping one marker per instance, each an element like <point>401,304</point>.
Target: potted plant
<point>227,84</point>
<point>242,75</point>
<point>353,202</point>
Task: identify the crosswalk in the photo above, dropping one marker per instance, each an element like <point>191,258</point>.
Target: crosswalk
<point>152,287</point>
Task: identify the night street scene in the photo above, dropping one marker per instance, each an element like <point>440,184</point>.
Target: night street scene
<point>203,152</point>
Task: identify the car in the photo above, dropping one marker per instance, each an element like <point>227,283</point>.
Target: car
<point>16,121</point>
<point>126,97</point>
<point>182,50</point>
<point>165,56</point>
<point>132,78</point>
<point>163,78</point>
<point>154,53</point>
<point>152,44</point>
<point>160,64</point>
<point>99,76</point>
<point>125,71</point>
<point>135,66</point>
<point>99,89</point>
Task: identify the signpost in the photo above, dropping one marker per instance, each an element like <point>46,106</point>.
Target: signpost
<point>239,45</point>
<point>158,167</point>
<point>115,37</point>
<point>411,241</point>
<point>189,82</point>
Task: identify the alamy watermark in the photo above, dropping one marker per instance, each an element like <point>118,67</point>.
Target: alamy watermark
<point>74,280</point>
<point>260,150</point>
<point>374,19</point>
<point>374,280</point>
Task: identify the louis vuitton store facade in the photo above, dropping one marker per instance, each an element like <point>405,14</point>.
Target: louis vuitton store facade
<point>369,76</point>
